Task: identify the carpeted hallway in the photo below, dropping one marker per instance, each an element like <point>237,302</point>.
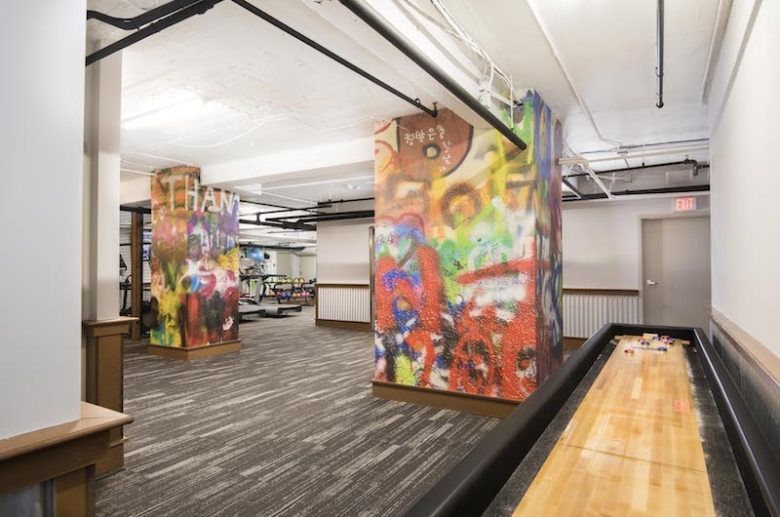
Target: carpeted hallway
<point>287,427</point>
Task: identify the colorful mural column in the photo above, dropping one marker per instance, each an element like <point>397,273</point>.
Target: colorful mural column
<point>194,261</point>
<point>468,253</point>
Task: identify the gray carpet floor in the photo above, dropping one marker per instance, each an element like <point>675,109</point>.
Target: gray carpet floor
<point>287,427</point>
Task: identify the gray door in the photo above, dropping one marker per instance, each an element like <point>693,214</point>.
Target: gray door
<point>676,271</point>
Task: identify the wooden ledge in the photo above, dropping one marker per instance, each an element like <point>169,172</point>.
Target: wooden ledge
<point>346,325</point>
<point>601,292</point>
<point>446,399</point>
<point>94,419</point>
<point>61,452</point>
<point>758,355</point>
<point>114,326</point>
<point>113,321</point>
<point>188,354</point>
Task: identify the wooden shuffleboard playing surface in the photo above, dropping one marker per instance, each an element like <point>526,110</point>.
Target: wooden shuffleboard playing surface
<point>633,446</point>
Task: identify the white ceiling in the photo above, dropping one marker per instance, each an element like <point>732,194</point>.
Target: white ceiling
<point>228,87</point>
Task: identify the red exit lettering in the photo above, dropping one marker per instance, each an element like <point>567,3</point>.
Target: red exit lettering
<point>684,204</point>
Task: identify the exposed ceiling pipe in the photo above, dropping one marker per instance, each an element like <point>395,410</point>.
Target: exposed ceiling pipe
<point>286,208</point>
<point>289,198</point>
<point>135,209</point>
<point>651,147</point>
<point>287,225</point>
<point>329,203</point>
<point>142,19</point>
<point>571,187</point>
<point>579,160</point>
<point>335,57</point>
<point>597,180</point>
<point>583,106</point>
<point>163,23</point>
<point>271,247</point>
<point>399,41</point>
<point>659,69</point>
<point>664,190</point>
<point>337,216</point>
<point>692,163</point>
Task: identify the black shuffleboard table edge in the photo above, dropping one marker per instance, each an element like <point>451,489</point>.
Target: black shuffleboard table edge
<point>469,487</point>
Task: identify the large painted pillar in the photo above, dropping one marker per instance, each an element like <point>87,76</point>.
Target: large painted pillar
<point>468,255</point>
<point>195,256</point>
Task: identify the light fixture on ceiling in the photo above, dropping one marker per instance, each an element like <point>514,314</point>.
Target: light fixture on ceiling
<point>351,186</point>
<point>180,105</point>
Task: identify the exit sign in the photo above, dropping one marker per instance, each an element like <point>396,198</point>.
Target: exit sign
<point>684,204</point>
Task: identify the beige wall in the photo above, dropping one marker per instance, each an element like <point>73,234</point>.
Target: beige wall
<point>342,252</point>
<point>745,212</point>
<point>601,245</point>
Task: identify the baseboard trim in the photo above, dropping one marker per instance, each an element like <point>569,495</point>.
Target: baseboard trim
<point>445,399</point>
<point>347,325</point>
<point>188,354</point>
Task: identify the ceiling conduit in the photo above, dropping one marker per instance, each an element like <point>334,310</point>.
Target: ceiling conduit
<point>639,192</point>
<point>142,19</point>
<point>399,41</point>
<point>659,69</point>
<point>177,11</point>
<point>335,57</point>
<point>151,29</point>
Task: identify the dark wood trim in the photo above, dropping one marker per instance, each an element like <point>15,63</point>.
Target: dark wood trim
<point>137,270</point>
<point>48,453</point>
<point>347,325</point>
<point>573,343</point>
<point>760,357</point>
<point>188,354</point>
<point>445,399</point>
<point>601,292</point>
<point>358,286</point>
<point>98,328</point>
<point>74,493</point>
<point>105,380</point>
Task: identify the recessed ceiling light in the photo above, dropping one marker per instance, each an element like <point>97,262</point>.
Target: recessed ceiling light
<point>350,186</point>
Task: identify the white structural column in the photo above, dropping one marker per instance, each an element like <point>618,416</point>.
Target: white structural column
<point>41,124</point>
<point>103,111</point>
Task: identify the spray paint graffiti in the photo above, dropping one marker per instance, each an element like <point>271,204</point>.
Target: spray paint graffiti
<point>468,256</point>
<point>194,263</point>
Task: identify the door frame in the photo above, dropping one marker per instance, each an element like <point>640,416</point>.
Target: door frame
<point>640,236</point>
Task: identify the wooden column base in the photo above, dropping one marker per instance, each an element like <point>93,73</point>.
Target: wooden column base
<point>573,343</point>
<point>187,354</point>
<point>445,399</point>
<point>65,454</point>
<point>105,380</point>
<point>347,325</point>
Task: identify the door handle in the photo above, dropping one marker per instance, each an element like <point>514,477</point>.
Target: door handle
<point>651,282</point>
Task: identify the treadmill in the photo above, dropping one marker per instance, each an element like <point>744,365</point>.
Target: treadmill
<point>247,306</point>
<point>256,305</point>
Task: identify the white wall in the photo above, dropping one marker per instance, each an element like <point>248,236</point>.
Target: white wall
<point>601,244</point>
<point>309,266</point>
<point>284,263</point>
<point>745,211</point>
<point>136,191</point>
<point>42,106</point>
<point>343,252</point>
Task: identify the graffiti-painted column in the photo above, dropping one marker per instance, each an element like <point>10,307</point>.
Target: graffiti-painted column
<point>195,277</point>
<point>468,254</point>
